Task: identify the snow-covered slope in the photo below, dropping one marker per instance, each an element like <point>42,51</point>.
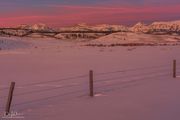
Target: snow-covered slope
<point>106,27</point>
<point>158,27</point>
<point>139,27</point>
<point>165,26</point>
<point>74,36</point>
<point>103,27</point>
<point>84,31</point>
<point>78,27</point>
<point>13,43</point>
<point>35,27</point>
<point>15,32</point>
<point>52,82</point>
<point>129,38</point>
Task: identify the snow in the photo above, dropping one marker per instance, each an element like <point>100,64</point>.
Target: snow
<point>139,27</point>
<point>89,32</point>
<point>36,27</point>
<point>122,38</point>
<point>121,90</point>
<point>101,27</point>
<point>79,36</point>
<point>13,43</point>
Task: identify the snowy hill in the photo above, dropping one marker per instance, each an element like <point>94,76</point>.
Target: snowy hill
<point>135,39</point>
<point>158,27</point>
<point>165,27</point>
<point>78,27</point>
<point>106,27</point>
<point>35,27</point>
<point>139,27</point>
<point>89,32</point>
<point>13,43</point>
<point>103,27</point>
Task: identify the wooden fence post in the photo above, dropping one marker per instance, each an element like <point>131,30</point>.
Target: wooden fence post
<point>10,96</point>
<point>91,87</point>
<point>174,68</point>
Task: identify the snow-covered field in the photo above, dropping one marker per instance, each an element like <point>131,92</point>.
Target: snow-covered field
<point>130,83</point>
<point>12,43</point>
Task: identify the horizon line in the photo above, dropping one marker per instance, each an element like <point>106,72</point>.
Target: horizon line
<point>88,24</point>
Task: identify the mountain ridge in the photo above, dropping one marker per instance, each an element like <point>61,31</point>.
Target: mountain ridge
<point>85,31</point>
<point>138,27</point>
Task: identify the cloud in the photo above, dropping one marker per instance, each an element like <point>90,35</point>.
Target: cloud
<point>58,15</point>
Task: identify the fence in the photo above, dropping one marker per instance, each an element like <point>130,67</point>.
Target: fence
<point>95,85</point>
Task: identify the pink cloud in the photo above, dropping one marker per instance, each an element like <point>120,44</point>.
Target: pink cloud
<point>67,15</point>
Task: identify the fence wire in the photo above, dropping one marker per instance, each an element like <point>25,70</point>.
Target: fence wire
<point>132,69</point>
<point>128,76</point>
<point>121,79</point>
<point>55,81</point>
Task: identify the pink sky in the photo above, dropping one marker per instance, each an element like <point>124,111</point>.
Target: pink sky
<point>63,15</point>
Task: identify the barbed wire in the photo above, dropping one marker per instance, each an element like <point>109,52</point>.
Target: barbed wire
<point>125,83</point>
<point>44,90</point>
<point>47,98</point>
<point>2,89</point>
<point>133,69</point>
<point>54,81</point>
<point>67,86</point>
<point>64,94</point>
<point>126,76</point>
<point>145,76</point>
<point>132,80</point>
<point>86,75</point>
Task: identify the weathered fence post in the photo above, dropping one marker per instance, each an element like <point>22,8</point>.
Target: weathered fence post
<point>10,96</point>
<point>91,87</point>
<point>174,68</point>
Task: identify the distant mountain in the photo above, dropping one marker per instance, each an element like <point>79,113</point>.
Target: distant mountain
<point>139,27</point>
<point>85,31</point>
<point>78,27</point>
<point>103,27</point>
<point>35,27</point>
<point>172,27</point>
<point>106,27</point>
<point>158,28</point>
